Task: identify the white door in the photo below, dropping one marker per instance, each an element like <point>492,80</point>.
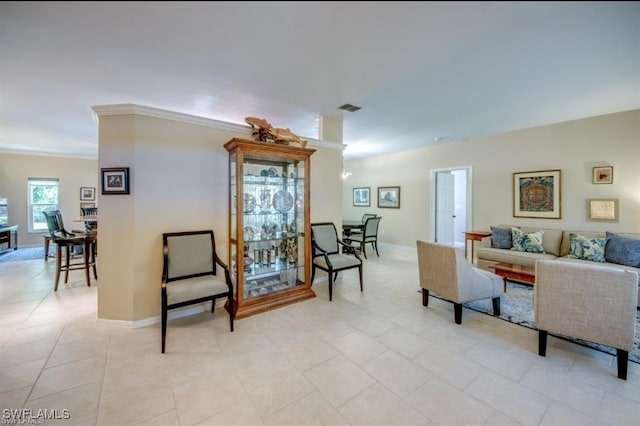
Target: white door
<point>445,206</point>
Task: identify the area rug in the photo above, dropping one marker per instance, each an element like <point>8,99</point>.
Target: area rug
<point>517,307</point>
<point>26,253</point>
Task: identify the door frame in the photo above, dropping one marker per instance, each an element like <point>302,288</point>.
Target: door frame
<point>468,200</point>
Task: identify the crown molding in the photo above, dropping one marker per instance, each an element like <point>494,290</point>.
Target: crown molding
<point>133,109</point>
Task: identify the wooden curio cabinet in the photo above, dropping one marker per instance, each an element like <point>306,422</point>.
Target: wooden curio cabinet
<point>269,225</point>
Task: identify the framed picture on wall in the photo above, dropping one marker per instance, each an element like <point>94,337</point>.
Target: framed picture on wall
<point>603,175</point>
<point>115,180</point>
<point>537,194</point>
<point>389,197</point>
<point>361,197</point>
<point>87,193</point>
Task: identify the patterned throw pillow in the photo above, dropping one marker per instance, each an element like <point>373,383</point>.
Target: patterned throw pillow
<point>531,243</point>
<point>586,248</point>
<point>501,238</point>
<point>622,250</point>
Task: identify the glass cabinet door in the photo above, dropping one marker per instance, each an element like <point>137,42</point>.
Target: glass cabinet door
<point>269,225</point>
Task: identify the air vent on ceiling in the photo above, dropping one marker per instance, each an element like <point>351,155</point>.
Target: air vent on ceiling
<point>349,107</point>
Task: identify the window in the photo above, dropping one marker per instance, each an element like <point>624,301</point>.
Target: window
<point>42,197</point>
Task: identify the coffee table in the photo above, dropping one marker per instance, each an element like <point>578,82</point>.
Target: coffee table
<point>511,272</point>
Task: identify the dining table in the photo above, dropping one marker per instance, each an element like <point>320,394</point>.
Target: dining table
<point>349,225</point>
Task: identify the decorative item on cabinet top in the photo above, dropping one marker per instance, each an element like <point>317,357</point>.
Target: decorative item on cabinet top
<point>264,132</point>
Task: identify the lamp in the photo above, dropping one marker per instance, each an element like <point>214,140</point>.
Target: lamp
<point>344,174</point>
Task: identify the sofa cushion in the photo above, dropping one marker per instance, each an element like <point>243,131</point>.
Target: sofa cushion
<point>530,243</point>
<point>581,247</point>
<point>488,256</point>
<point>551,240</point>
<point>501,238</point>
<point>622,250</point>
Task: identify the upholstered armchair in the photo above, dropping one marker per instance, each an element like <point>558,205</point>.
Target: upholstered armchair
<point>589,302</point>
<point>443,270</point>
<point>190,274</point>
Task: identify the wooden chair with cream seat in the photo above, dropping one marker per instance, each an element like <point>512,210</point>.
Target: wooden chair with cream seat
<point>326,254</point>
<point>190,275</point>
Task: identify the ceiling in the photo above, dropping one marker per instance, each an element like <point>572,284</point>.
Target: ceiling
<point>422,72</point>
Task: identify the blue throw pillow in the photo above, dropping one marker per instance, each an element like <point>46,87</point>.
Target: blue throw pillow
<point>592,249</point>
<point>501,238</point>
<point>531,243</point>
<point>622,250</point>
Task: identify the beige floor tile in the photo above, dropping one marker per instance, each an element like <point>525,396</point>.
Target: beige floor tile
<point>308,350</point>
<point>68,376</point>
<point>18,354</point>
<point>79,349</point>
<point>407,343</point>
<point>271,392</point>
<point>359,347</point>
<point>568,390</point>
<point>80,403</point>
<point>312,409</point>
<point>621,411</point>
<point>560,414</point>
<point>378,406</point>
<point>339,379</point>
<point>451,367</point>
<point>397,373</point>
<point>444,404</point>
<point>170,418</point>
<point>208,396</point>
<point>502,362</point>
<point>133,405</point>
<point>20,375</point>
<point>13,400</point>
<point>512,399</point>
<point>240,415</point>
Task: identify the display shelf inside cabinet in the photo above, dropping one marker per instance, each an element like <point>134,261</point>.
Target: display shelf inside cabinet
<point>269,225</point>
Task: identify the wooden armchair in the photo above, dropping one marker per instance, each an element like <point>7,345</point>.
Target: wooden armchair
<point>189,274</point>
<point>326,253</point>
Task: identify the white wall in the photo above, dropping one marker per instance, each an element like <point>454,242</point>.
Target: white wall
<point>73,173</point>
<point>179,181</point>
<point>574,147</point>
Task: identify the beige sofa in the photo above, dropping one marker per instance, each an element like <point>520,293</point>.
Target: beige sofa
<point>556,247</point>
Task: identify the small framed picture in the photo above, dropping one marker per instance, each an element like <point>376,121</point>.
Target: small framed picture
<point>603,174</point>
<point>361,197</point>
<point>115,180</point>
<point>389,197</point>
<point>87,193</point>
<point>603,210</point>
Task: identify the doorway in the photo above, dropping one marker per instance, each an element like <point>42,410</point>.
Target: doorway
<point>451,204</point>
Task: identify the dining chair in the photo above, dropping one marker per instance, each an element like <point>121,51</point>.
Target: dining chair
<point>443,269</point>
<point>90,225</point>
<point>69,242</point>
<point>326,254</point>
<point>364,221</point>
<point>189,274</point>
<point>369,236</point>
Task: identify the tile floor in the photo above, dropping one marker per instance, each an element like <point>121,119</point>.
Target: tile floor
<point>372,358</point>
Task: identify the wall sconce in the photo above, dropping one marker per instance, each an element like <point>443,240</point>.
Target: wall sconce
<point>345,175</point>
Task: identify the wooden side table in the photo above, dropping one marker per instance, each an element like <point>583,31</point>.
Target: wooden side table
<point>473,236</point>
